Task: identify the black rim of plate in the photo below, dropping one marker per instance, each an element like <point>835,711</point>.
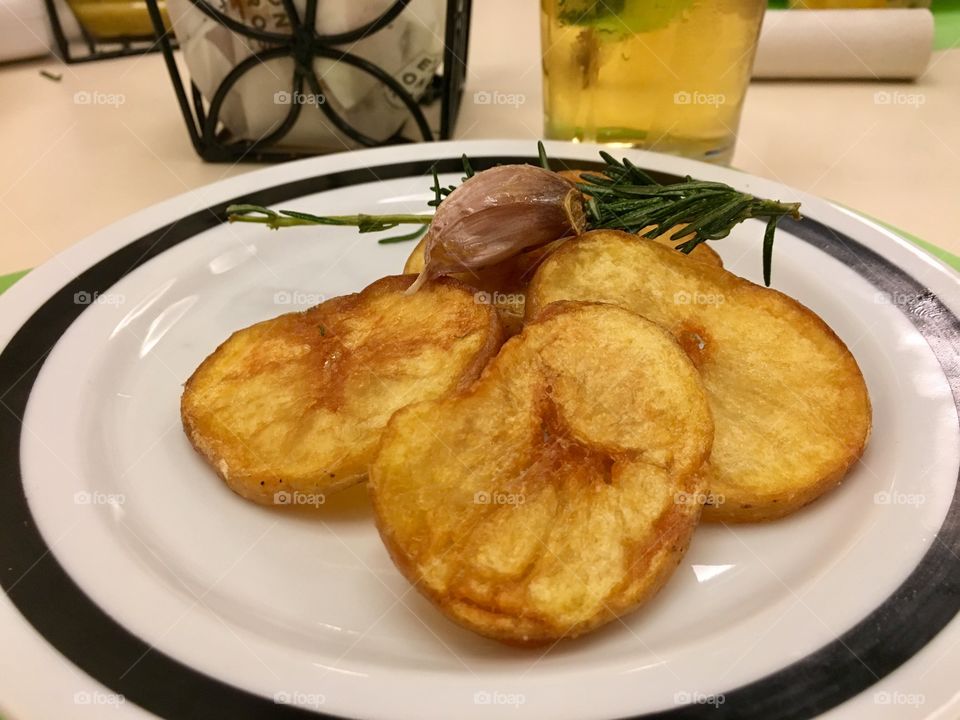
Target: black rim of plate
<point>69,620</point>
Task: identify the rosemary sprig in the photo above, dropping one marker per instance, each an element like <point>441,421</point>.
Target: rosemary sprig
<point>621,197</point>
<point>363,223</point>
<point>439,192</point>
<point>291,218</point>
<point>627,198</point>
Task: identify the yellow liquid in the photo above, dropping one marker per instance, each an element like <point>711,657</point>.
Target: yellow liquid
<point>666,75</point>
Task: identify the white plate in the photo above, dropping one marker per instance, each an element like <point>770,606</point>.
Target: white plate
<point>121,549</point>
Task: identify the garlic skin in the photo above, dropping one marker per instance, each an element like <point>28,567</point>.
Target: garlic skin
<point>497,214</point>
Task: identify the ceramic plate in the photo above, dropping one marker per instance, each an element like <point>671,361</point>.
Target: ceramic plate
<point>136,582</point>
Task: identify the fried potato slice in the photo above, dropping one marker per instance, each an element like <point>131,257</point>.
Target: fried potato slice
<point>790,404</point>
<point>561,489</point>
<point>504,285</point>
<point>294,406</point>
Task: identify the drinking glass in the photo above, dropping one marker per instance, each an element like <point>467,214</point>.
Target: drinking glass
<point>665,75</point>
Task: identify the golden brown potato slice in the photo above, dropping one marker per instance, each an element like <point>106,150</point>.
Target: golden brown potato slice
<point>290,409</point>
<point>503,285</point>
<point>790,405</point>
<point>414,263</point>
<point>561,489</point>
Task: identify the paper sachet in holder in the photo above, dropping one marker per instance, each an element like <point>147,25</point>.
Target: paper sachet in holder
<point>409,49</point>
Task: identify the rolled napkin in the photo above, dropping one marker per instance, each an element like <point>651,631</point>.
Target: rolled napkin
<point>25,28</point>
<point>841,44</point>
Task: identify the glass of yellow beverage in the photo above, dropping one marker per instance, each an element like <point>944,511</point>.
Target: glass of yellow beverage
<point>665,75</point>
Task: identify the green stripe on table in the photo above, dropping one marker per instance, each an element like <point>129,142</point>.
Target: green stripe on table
<point>945,256</point>
<point>946,21</point>
<point>946,15</point>
<point>7,280</point>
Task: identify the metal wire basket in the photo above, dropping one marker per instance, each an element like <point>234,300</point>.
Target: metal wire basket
<point>303,43</point>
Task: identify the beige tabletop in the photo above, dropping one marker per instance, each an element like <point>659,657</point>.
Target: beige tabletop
<point>70,169</point>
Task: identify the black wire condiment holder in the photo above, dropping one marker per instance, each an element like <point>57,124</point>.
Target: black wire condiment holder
<point>303,43</point>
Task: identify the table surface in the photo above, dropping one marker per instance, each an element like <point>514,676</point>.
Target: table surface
<point>70,169</point>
